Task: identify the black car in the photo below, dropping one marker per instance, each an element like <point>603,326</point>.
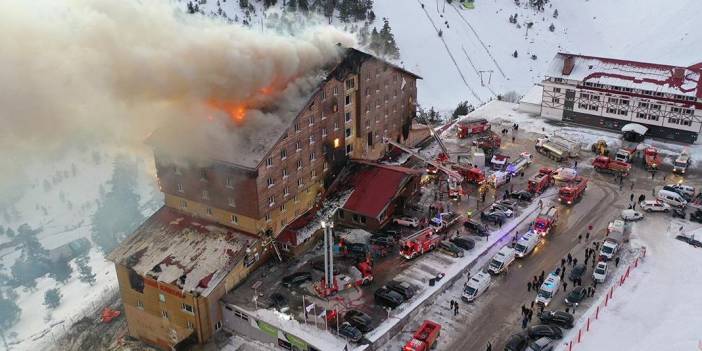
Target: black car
<point>296,279</point>
<point>350,332</point>
<point>359,320</point>
<point>493,216</point>
<point>544,331</point>
<point>463,242</point>
<point>559,318</point>
<point>318,265</point>
<point>516,342</point>
<point>521,195</point>
<point>475,227</point>
<point>678,213</point>
<point>577,272</point>
<point>696,216</point>
<point>386,241</point>
<point>543,344</point>
<point>576,296</point>
<point>402,288</point>
<point>394,234</point>
<point>511,204</point>
<point>357,249</point>
<point>278,301</point>
<point>388,298</point>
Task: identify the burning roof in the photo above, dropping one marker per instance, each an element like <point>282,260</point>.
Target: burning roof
<point>177,249</point>
<point>375,186</point>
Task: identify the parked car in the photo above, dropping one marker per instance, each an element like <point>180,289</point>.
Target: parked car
<point>631,215</point>
<point>544,331</point>
<point>577,272</point>
<point>559,318</point>
<point>406,221</point>
<point>511,204</point>
<point>360,320</point>
<point>508,211</point>
<point>685,195</point>
<point>576,296</point>
<point>696,216</point>
<point>463,242</point>
<point>493,216</point>
<point>386,241</point>
<point>475,227</point>
<point>357,249</point>
<point>278,301</point>
<point>395,234</point>
<point>388,298</point>
<point>600,272</point>
<point>516,342</point>
<point>678,213</point>
<point>403,288</point>
<point>521,195</point>
<point>654,206</point>
<point>450,249</point>
<point>350,332</point>
<point>318,265</point>
<point>542,344</point>
<point>682,189</point>
<point>296,279</point>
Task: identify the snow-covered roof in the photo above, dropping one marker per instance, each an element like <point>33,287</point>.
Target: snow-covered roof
<point>628,74</point>
<point>635,127</point>
<point>533,96</point>
<point>188,252</point>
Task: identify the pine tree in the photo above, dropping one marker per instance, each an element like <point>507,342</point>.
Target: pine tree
<point>552,27</point>
<point>292,5</point>
<point>191,8</point>
<point>85,271</point>
<point>345,10</point>
<point>52,298</point>
<point>375,41</point>
<point>303,5</point>
<point>515,54</point>
<point>269,3</point>
<point>389,44</point>
<point>244,4</point>
<point>461,110</point>
<point>9,315</point>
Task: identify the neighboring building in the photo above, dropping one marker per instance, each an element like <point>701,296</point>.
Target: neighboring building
<point>172,273</point>
<point>362,100</point>
<point>531,101</point>
<point>377,191</point>
<point>610,93</point>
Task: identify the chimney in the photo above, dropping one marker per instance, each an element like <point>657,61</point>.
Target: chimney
<point>678,73</point>
<point>568,64</point>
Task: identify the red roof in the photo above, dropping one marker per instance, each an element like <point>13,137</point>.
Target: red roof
<point>374,187</point>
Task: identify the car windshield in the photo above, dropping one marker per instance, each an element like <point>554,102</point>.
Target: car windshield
<point>544,294</point>
<point>607,249</point>
<point>470,290</point>
<point>600,271</point>
<point>521,248</point>
<point>495,264</point>
<point>680,164</point>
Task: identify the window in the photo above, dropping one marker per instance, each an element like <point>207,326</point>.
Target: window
<point>336,142</point>
<point>162,297</point>
<point>314,174</point>
<point>285,172</point>
<point>348,132</point>
<point>326,166</point>
<point>299,164</point>
<point>643,105</point>
<point>556,100</point>
<point>235,219</point>
<point>584,96</point>
<point>177,170</point>
<point>140,304</point>
<point>311,138</point>
<point>312,156</point>
<point>347,101</point>
<point>209,211</point>
<point>183,204</point>
<point>347,117</point>
<point>205,195</point>
<point>656,107</point>
<point>622,112</point>
<point>613,100</point>
<point>350,84</point>
<point>283,154</point>
<point>229,182</point>
<point>269,162</point>
<point>688,112</point>
<point>336,125</point>
<point>297,126</point>
<point>324,132</point>
<point>370,138</point>
<point>186,308</point>
<point>311,105</point>
<point>594,108</point>
<point>268,217</point>
<point>559,80</point>
<point>367,92</point>
<point>336,90</point>
<point>641,115</point>
<point>556,90</point>
<point>285,135</point>
<point>203,174</point>
<point>270,182</point>
<point>218,325</point>
<point>271,201</point>
<point>324,94</point>
<point>611,110</point>
<point>653,118</point>
<point>300,182</point>
<point>368,124</point>
<point>180,188</point>
<point>282,207</point>
<point>231,202</point>
<point>286,191</point>
<point>675,109</point>
<point>164,314</point>
<point>349,149</point>
<point>624,102</point>
<point>311,120</point>
<point>298,147</point>
<point>190,325</point>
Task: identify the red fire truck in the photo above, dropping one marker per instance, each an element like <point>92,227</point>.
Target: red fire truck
<point>651,158</point>
<point>546,220</point>
<point>539,182</point>
<point>572,191</point>
<point>419,243</point>
<point>471,126</point>
<point>361,274</point>
<point>424,338</point>
<point>470,174</point>
<point>604,164</point>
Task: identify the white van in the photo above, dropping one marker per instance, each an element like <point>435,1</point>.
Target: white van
<point>671,198</point>
<point>501,260</point>
<point>526,244</point>
<point>685,189</point>
<point>475,286</point>
<point>548,289</point>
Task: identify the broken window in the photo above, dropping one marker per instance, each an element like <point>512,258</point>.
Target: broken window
<point>136,282</point>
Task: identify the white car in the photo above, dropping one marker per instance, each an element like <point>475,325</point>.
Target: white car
<point>631,215</point>
<point>654,206</point>
<point>565,174</point>
<point>407,221</point>
<point>600,272</point>
<point>683,188</point>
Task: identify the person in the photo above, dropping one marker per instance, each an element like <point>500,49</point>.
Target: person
<point>532,304</point>
<point>570,259</point>
<point>565,286</point>
<point>489,347</point>
<point>587,236</point>
<point>616,262</point>
<point>513,138</point>
<point>524,309</point>
<point>452,302</point>
<point>575,261</point>
<point>594,284</point>
<point>530,314</point>
<point>580,237</point>
<point>543,274</point>
<point>524,322</point>
<point>563,261</point>
<point>631,198</point>
<point>528,286</point>
<point>587,258</point>
<point>576,164</point>
<point>455,310</point>
<point>562,274</point>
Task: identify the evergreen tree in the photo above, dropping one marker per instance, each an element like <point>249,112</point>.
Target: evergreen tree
<point>10,233</point>
<point>60,270</point>
<point>86,272</point>
<point>118,212</point>
<point>52,298</point>
<point>375,41</point>
<point>371,15</point>
<point>9,315</point>
<point>269,3</point>
<point>345,10</point>
<point>552,27</point>
<point>292,5</point>
<point>244,4</point>
<point>389,44</point>
<point>303,5</point>
<point>515,54</point>
<point>461,110</point>
<point>555,13</point>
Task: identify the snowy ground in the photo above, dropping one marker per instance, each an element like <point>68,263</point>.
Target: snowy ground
<point>658,307</point>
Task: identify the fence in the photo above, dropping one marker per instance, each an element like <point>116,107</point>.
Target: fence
<point>593,314</point>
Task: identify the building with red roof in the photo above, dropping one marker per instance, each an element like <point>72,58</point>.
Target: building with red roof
<point>611,93</point>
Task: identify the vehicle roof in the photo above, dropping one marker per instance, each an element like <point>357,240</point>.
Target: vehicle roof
<point>528,236</point>
<point>505,251</point>
<point>550,282</point>
<point>478,278</point>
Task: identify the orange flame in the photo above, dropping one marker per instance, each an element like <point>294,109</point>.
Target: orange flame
<point>236,111</point>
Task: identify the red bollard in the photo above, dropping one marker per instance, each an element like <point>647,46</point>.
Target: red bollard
<point>588,324</point>
<point>597,312</point>
<point>636,263</point>
<point>611,293</point>
<point>580,335</point>
<point>606,300</point>
<point>627,271</point>
<point>570,346</point>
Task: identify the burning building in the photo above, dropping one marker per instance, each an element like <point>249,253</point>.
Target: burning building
<point>228,195</point>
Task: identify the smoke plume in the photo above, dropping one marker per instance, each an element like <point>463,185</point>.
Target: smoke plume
<point>116,70</point>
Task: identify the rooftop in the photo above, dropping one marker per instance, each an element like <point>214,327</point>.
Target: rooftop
<point>178,249</point>
<point>628,74</point>
<point>375,186</point>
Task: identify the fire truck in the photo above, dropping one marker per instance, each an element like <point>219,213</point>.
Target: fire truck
<point>552,150</point>
<point>572,191</point>
<point>419,243</point>
<point>499,162</point>
<point>545,220</point>
<point>470,174</point>
<point>471,126</point>
<point>358,275</point>
<point>539,182</point>
<point>651,158</point>
<point>424,338</point>
<point>522,162</point>
<point>627,151</point>
<point>681,163</point>
<point>604,164</point>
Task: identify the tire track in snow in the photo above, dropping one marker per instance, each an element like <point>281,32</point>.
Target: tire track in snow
<point>480,40</point>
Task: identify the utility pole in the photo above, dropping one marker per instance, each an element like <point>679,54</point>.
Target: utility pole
<point>489,77</point>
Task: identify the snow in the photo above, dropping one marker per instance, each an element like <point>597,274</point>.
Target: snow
<point>658,306</point>
<point>533,95</point>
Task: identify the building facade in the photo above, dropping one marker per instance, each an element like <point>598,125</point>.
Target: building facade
<point>610,93</point>
<point>363,101</point>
